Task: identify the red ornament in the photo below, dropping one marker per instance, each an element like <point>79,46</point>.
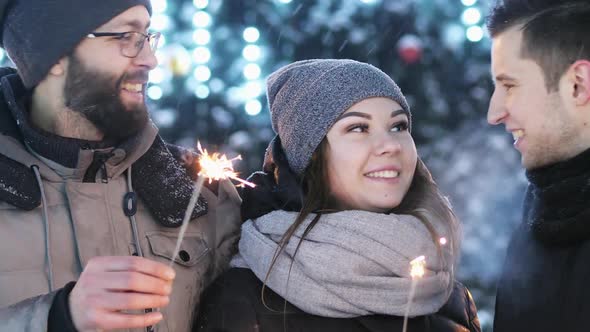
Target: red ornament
<point>409,48</point>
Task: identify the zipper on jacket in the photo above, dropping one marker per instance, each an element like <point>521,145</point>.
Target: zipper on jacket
<point>103,173</point>
<point>98,163</point>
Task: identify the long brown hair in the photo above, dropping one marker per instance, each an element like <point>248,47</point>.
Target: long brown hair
<point>423,200</point>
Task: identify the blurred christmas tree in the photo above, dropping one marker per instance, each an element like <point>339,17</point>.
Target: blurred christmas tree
<point>217,54</point>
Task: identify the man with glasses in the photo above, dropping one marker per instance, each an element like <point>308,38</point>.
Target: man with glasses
<point>91,198</point>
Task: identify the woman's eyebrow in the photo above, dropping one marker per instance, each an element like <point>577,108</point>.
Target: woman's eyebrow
<point>359,114</point>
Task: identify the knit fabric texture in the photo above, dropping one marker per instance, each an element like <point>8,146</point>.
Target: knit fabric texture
<point>36,34</point>
<point>351,263</point>
<point>307,97</point>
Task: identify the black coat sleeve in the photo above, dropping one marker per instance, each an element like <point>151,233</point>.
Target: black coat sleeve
<point>459,311</point>
<point>59,319</point>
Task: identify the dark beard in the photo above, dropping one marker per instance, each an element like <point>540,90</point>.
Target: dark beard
<point>97,96</point>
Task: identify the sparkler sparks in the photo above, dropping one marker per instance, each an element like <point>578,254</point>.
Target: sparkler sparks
<point>213,167</point>
<point>417,270</point>
<point>218,167</point>
<point>418,267</point>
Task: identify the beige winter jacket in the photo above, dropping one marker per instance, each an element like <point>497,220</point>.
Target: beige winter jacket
<point>84,220</point>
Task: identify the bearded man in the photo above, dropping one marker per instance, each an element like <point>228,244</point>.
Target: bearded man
<point>90,195</point>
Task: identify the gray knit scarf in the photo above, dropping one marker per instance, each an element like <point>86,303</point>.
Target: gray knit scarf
<point>352,263</point>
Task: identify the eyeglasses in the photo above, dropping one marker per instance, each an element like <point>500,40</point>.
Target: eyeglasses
<point>131,42</point>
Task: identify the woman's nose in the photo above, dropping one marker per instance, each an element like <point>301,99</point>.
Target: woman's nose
<point>387,143</point>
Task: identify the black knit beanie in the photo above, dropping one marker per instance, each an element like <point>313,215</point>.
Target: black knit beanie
<point>37,33</point>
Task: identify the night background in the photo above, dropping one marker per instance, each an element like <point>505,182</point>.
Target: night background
<point>210,87</point>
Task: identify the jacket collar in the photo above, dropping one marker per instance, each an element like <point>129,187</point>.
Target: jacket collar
<point>556,204</point>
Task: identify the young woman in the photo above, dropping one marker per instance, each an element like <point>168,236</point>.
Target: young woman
<point>342,206</point>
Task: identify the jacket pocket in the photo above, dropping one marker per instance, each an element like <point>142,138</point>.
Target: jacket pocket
<point>193,249</point>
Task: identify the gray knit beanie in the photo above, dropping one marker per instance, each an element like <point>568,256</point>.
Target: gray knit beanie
<point>307,97</point>
<point>37,33</point>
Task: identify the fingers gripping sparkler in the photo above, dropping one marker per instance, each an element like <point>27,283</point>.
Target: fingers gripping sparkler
<point>213,167</point>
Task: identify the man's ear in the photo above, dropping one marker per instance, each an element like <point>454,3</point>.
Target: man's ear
<point>580,77</point>
<point>59,68</point>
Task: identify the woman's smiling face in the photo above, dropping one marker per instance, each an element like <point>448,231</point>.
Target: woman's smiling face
<point>371,156</point>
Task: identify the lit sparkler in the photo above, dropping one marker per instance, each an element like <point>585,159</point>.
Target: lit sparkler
<point>213,167</point>
<point>417,270</point>
<point>418,267</point>
<point>218,167</point>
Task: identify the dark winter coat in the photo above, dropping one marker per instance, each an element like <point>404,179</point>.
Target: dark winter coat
<point>544,283</point>
<point>234,304</point>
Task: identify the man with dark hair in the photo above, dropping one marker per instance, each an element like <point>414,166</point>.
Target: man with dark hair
<point>541,68</point>
<point>90,196</point>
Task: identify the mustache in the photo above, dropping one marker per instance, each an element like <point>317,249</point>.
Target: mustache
<point>138,75</point>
